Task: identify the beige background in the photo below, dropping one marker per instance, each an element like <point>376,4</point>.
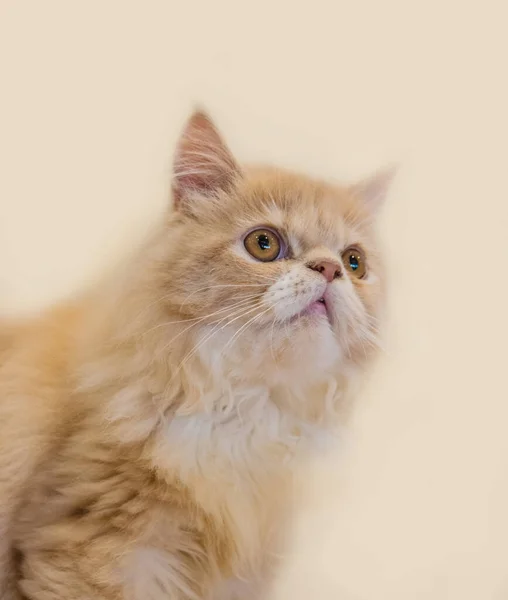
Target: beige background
<point>92,95</point>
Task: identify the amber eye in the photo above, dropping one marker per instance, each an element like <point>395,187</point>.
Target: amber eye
<point>354,261</point>
<point>263,244</point>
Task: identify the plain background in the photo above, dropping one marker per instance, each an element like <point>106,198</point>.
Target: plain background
<point>93,93</point>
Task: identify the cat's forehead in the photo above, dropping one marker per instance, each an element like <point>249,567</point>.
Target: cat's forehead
<point>310,212</point>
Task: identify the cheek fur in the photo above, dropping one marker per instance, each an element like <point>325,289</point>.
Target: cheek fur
<point>355,318</point>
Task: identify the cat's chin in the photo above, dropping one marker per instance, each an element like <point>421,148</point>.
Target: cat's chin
<point>297,352</point>
<point>313,314</point>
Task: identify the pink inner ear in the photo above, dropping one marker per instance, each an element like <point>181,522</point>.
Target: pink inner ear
<point>203,162</point>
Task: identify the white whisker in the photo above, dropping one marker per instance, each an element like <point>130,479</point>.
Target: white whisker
<point>226,285</point>
<point>215,330</point>
<point>236,308</point>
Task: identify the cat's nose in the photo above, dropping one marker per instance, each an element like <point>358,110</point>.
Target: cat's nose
<point>329,268</point>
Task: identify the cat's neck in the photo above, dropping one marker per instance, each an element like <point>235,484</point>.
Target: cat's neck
<point>235,442</point>
<point>188,403</point>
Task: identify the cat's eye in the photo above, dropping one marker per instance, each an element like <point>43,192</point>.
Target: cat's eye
<point>263,244</point>
<point>354,261</point>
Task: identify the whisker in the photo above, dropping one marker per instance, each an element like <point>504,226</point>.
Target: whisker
<point>235,336</point>
<point>226,285</point>
<point>271,339</point>
<point>168,323</point>
<point>272,279</point>
<point>237,307</point>
<point>243,327</point>
<point>208,336</point>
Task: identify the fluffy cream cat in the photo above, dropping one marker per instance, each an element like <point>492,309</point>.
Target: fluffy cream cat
<point>150,430</point>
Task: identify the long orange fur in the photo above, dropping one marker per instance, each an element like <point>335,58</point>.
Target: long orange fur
<point>151,429</point>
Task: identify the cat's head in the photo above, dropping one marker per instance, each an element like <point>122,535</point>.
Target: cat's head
<point>278,273</point>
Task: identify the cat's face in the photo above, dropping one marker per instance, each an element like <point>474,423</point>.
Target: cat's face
<point>272,270</point>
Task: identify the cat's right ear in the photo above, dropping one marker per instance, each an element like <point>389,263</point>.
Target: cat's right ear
<point>203,164</point>
<point>372,192</point>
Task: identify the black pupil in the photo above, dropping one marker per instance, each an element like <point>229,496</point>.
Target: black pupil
<point>264,242</point>
<point>354,262</point>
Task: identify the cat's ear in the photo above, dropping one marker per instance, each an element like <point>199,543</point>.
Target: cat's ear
<point>372,192</point>
<point>203,164</point>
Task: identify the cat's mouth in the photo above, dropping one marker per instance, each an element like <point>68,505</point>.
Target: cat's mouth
<point>316,308</point>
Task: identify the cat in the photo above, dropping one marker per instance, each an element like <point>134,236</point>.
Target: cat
<point>152,428</point>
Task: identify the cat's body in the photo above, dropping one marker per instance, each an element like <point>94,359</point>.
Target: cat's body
<point>96,497</point>
<point>150,431</point>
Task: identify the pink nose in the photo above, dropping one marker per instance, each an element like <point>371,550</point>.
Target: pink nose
<point>329,268</point>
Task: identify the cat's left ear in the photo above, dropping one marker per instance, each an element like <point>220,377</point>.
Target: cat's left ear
<point>372,192</point>
<point>203,164</point>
